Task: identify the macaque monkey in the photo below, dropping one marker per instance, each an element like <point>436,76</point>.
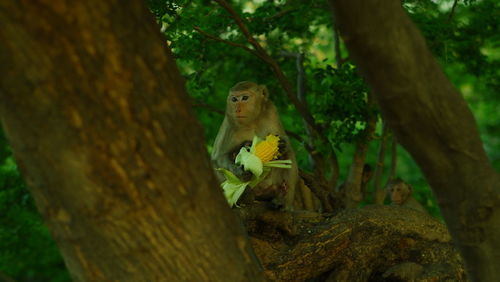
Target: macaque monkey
<point>249,113</point>
<point>400,194</point>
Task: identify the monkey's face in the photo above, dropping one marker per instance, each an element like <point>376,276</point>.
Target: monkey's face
<point>243,107</point>
<point>399,193</point>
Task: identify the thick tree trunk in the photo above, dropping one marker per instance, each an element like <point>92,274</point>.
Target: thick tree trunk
<point>99,120</point>
<point>432,121</point>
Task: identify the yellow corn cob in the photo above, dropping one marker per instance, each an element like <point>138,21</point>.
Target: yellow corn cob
<point>267,150</point>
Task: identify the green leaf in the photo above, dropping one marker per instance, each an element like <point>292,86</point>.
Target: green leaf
<point>230,177</point>
<point>279,164</point>
<point>233,191</point>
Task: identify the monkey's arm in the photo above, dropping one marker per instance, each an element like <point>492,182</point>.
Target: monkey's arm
<point>227,160</point>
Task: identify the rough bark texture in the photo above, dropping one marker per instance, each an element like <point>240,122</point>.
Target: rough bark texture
<point>432,121</point>
<point>375,243</point>
<point>99,120</point>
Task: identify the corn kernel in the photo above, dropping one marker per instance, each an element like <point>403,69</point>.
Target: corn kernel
<point>268,150</point>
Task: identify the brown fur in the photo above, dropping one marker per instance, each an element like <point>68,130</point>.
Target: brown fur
<point>245,118</point>
<point>400,193</point>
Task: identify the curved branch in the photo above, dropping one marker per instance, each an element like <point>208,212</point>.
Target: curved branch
<point>452,12</point>
<point>216,38</point>
<point>262,54</point>
<point>210,108</point>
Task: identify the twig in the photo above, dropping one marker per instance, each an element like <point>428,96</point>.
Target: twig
<point>215,38</point>
<point>262,54</point>
<point>212,109</point>
<point>336,40</point>
<point>280,14</point>
<point>452,11</point>
<point>294,135</point>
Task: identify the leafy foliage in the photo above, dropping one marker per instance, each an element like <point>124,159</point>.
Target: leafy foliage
<point>27,251</point>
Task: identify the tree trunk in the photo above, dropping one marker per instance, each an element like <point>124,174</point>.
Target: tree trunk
<point>432,121</point>
<point>354,193</point>
<point>101,127</point>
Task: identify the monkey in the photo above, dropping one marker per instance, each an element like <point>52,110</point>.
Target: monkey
<point>249,113</point>
<point>400,194</point>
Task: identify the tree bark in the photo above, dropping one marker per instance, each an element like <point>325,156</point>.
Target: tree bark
<point>368,244</point>
<point>102,130</point>
<point>432,121</point>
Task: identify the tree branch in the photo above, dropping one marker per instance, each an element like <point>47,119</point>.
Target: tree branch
<point>262,54</point>
<point>210,108</point>
<point>452,11</point>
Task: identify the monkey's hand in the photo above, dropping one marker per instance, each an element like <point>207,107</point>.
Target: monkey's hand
<point>235,151</point>
<point>243,175</point>
<point>282,146</point>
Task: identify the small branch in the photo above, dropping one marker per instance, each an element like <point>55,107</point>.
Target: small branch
<point>216,38</point>
<point>210,108</point>
<point>452,11</point>
<point>294,135</point>
<point>280,14</point>
<point>262,54</point>
<point>336,40</point>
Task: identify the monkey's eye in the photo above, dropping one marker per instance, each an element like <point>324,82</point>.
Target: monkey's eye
<point>244,98</point>
<point>234,99</point>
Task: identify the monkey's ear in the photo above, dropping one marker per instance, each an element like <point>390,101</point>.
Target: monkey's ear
<point>265,92</point>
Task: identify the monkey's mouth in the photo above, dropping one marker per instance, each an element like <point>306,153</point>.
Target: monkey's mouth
<point>240,117</point>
